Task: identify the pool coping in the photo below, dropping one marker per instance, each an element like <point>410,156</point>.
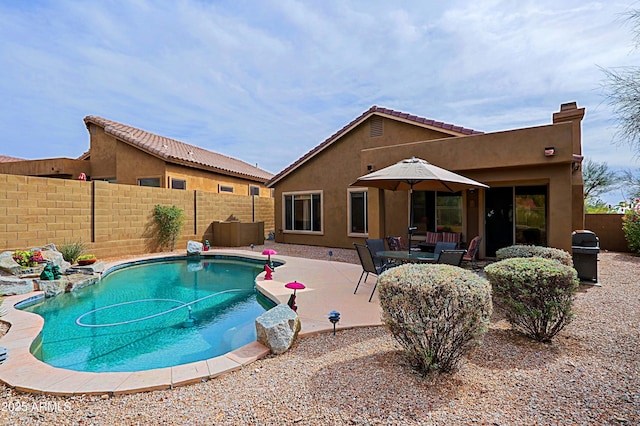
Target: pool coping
<point>24,372</point>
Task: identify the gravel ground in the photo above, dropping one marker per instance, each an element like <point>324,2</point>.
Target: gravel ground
<point>589,375</point>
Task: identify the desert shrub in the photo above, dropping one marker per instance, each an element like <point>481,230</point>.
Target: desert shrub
<point>535,251</point>
<point>169,220</point>
<point>436,312</point>
<point>537,294</point>
<point>71,250</point>
<point>631,225</point>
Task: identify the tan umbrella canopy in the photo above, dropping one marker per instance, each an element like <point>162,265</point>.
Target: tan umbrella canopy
<point>415,173</point>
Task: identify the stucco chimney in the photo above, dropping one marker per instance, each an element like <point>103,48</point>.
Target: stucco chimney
<point>569,112</point>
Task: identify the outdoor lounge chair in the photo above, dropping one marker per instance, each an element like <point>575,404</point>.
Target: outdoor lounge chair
<point>368,267</point>
<point>451,257</point>
<point>472,251</point>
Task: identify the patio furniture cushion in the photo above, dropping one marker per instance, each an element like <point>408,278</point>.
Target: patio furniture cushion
<point>395,243</point>
<point>433,238</point>
<point>451,237</point>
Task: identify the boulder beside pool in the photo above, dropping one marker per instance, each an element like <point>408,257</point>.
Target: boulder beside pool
<point>278,328</point>
<point>194,247</point>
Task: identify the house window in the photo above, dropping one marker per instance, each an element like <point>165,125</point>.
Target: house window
<point>254,190</point>
<point>449,211</point>
<point>154,182</point>
<point>437,211</point>
<point>225,188</point>
<point>303,211</point>
<point>357,211</point>
<point>531,215</point>
<point>178,183</point>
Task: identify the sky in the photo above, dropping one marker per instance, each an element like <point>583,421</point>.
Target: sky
<point>266,81</point>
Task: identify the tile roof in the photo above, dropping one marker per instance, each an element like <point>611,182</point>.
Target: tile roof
<point>7,159</point>
<point>174,151</point>
<point>446,127</point>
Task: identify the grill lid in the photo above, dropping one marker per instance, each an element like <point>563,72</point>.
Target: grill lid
<point>584,238</point>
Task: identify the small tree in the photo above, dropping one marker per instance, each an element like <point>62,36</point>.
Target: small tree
<point>598,179</point>
<point>622,86</point>
<point>169,221</point>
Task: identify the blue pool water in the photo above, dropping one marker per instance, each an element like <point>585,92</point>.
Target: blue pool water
<point>138,317</point>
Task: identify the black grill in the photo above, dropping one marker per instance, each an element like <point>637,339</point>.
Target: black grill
<point>585,246</point>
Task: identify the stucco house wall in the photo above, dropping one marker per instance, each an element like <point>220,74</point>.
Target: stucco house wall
<point>331,171</point>
<point>500,159</point>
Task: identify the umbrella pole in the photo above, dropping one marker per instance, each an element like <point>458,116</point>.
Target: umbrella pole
<point>411,227</point>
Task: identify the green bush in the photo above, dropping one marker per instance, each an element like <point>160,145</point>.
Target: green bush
<point>436,312</point>
<point>535,251</point>
<point>631,225</point>
<point>169,221</point>
<point>536,293</point>
<point>72,250</point>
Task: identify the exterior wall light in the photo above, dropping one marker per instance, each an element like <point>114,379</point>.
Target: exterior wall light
<point>549,151</point>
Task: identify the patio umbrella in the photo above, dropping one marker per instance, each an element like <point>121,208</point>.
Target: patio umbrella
<point>415,173</point>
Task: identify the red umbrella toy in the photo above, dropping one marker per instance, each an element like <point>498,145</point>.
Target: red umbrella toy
<point>269,252</point>
<point>292,299</point>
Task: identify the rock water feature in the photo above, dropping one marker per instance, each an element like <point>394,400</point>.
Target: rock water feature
<point>53,276</point>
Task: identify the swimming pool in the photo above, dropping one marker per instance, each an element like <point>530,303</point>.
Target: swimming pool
<point>153,314</point>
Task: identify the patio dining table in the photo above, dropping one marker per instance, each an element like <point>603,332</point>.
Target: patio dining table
<point>407,257</point>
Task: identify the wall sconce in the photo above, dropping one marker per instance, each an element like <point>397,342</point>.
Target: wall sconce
<point>575,166</point>
<point>369,167</point>
<point>549,151</point>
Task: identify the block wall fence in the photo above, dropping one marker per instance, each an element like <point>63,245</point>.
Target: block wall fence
<point>111,219</point>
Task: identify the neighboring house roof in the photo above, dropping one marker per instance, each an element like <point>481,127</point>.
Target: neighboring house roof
<point>7,159</point>
<point>174,151</point>
<point>384,112</point>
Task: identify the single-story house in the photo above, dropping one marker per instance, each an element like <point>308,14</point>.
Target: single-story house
<point>534,176</point>
<point>123,154</point>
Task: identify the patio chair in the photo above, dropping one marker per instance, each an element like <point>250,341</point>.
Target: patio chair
<point>472,251</point>
<point>442,246</point>
<point>368,267</point>
<point>451,257</point>
<point>376,245</point>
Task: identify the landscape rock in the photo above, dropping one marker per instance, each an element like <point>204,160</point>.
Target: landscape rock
<point>94,268</point>
<point>53,288</point>
<point>194,247</point>
<point>9,265</point>
<point>78,281</point>
<point>10,285</point>
<point>56,258</point>
<point>278,328</point>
